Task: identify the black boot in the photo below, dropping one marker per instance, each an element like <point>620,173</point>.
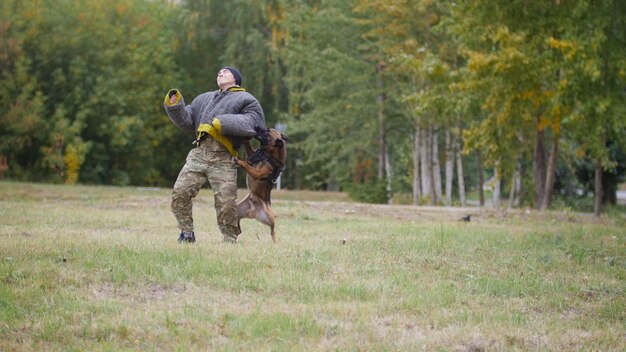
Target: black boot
<point>186,237</point>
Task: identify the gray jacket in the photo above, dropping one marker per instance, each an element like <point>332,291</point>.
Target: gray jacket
<point>238,112</point>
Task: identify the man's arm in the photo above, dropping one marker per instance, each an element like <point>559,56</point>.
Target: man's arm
<point>182,116</point>
<point>244,123</point>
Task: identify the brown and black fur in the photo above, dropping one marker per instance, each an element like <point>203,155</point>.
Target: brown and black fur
<point>263,168</point>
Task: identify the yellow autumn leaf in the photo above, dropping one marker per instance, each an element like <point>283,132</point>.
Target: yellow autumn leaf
<point>553,43</point>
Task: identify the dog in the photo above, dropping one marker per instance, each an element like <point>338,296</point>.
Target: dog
<point>263,167</point>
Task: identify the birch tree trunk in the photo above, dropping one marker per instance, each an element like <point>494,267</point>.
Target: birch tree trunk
<point>459,168</point>
<point>521,189</point>
<point>481,179</point>
<point>496,187</point>
<point>551,174</point>
<point>426,166</point>
<point>516,187</point>
<point>449,167</point>
<point>382,143</point>
<point>389,173</point>
<point>417,194</point>
<point>429,168</point>
<point>436,166</point>
<point>513,190</point>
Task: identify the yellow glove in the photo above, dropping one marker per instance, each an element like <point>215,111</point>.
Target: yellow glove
<point>168,97</point>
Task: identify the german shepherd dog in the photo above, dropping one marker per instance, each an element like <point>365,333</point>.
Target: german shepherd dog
<point>263,167</point>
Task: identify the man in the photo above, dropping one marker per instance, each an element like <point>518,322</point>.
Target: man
<point>220,121</point>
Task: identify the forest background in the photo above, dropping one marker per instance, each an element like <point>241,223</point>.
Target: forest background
<point>422,101</point>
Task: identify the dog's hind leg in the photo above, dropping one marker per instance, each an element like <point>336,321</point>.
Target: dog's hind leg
<point>265,215</point>
<point>273,234</point>
<point>245,208</point>
<point>272,221</point>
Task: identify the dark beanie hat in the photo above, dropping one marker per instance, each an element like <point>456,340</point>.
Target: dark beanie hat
<point>235,73</point>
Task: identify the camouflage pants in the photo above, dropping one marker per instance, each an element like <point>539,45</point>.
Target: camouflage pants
<point>210,161</point>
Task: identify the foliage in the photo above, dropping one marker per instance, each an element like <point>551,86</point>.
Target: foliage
<point>89,76</point>
<point>543,67</point>
<point>374,191</point>
<point>611,177</point>
<point>213,34</point>
<point>332,111</point>
<point>81,83</point>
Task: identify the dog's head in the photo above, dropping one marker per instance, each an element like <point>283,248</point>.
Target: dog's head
<point>273,143</point>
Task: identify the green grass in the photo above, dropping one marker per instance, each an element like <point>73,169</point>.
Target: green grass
<point>98,268</point>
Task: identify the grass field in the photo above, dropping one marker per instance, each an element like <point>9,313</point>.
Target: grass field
<point>98,268</point>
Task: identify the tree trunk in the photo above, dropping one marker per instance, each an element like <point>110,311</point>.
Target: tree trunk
<point>382,143</point>
<point>426,166</point>
<point>551,174</point>
<point>496,187</point>
<point>539,166</point>
<point>598,188</point>
<point>459,168</point>
<point>520,188</point>
<point>449,167</point>
<point>416,166</point>
<point>481,179</point>
<point>389,173</point>
<point>599,196</point>
<point>513,191</point>
<point>430,168</point>
<point>516,187</point>
<point>436,166</point>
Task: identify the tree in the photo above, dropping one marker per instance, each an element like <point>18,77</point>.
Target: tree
<point>332,112</point>
<point>418,63</point>
<point>21,99</point>
<point>595,47</point>
<point>511,55</point>
<point>92,72</point>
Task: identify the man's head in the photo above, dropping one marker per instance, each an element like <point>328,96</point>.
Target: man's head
<point>227,77</point>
